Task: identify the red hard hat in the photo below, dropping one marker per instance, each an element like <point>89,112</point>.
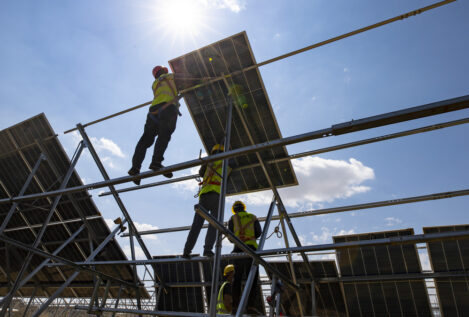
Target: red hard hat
<point>156,69</point>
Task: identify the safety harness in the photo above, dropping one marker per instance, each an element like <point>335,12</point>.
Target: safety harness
<point>242,229</point>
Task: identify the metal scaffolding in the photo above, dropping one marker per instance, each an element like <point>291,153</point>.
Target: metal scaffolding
<point>108,288</point>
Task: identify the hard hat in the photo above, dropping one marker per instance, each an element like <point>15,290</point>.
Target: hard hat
<point>228,269</point>
<point>238,206</point>
<point>217,147</point>
<point>156,69</point>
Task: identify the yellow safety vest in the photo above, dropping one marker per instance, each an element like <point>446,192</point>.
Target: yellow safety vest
<point>243,225</point>
<point>212,180</point>
<point>221,308</point>
<point>164,89</point>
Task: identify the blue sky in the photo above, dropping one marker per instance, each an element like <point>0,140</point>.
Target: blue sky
<point>80,60</point>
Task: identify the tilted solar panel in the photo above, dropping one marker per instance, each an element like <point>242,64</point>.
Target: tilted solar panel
<point>20,148</point>
<point>386,298</point>
<point>207,106</point>
<point>448,256</point>
<point>329,298</point>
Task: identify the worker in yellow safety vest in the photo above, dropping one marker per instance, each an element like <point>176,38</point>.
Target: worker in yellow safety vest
<point>209,196</point>
<point>247,228</point>
<point>161,122</point>
<point>224,299</point>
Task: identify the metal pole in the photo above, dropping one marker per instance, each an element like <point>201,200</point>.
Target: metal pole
<point>41,158</point>
<point>41,232</point>
<point>88,260</point>
<point>221,214</point>
<point>411,239</point>
<point>313,298</point>
<point>384,203</point>
<point>134,269</point>
<point>30,301</point>
<point>119,202</point>
<point>254,266</point>
<point>386,137</point>
<point>235,240</point>
<point>337,129</point>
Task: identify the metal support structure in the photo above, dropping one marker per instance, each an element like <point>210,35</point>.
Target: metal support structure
<point>30,301</point>
<point>94,295</point>
<point>366,123</point>
<point>119,202</point>
<point>117,299</point>
<point>221,214</point>
<point>313,299</point>
<point>41,232</point>
<point>254,266</point>
<point>41,158</point>
<point>386,137</point>
<point>134,269</point>
<point>235,240</point>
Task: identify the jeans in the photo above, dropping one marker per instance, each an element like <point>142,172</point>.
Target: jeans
<point>210,202</point>
<point>161,125</point>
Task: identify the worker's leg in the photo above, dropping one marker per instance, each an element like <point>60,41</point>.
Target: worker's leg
<point>197,224</point>
<point>238,278</point>
<point>167,124</point>
<point>149,133</point>
<point>210,202</point>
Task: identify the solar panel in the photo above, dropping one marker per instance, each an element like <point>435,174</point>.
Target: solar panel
<point>386,298</point>
<point>447,256</point>
<point>20,148</point>
<point>329,298</point>
<point>207,106</point>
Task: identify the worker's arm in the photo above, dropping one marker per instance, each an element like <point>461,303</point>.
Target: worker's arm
<point>228,301</point>
<point>202,170</point>
<point>257,229</point>
<point>230,224</point>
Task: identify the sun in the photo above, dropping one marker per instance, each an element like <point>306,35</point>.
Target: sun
<point>183,18</point>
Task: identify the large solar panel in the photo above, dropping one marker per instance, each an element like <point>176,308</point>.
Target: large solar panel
<point>387,298</point>
<point>207,106</point>
<point>329,298</point>
<point>447,256</point>
<point>19,150</point>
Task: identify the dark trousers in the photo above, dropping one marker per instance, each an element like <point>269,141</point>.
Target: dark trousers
<point>242,268</point>
<point>161,125</point>
<point>210,202</point>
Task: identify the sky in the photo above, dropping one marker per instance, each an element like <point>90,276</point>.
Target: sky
<point>77,61</point>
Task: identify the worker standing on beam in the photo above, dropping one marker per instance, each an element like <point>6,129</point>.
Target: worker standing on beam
<point>225,299</point>
<point>247,228</point>
<point>161,122</point>
<point>209,196</point>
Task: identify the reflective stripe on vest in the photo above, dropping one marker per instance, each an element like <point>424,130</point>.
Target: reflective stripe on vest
<point>221,308</point>
<point>243,225</point>
<point>164,89</point>
<point>212,180</point>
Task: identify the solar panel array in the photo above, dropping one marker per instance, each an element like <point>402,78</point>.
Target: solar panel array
<point>20,148</point>
<point>329,297</point>
<point>207,106</point>
<point>382,298</point>
<point>450,256</point>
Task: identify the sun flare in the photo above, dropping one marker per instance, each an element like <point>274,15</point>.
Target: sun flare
<point>182,18</point>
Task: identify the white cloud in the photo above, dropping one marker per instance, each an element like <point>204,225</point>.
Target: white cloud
<point>425,261</point>
<point>391,221</point>
<point>106,145</point>
<point>191,185</point>
<point>139,255</point>
<point>326,234</point>
<point>346,70</point>
<point>233,5</point>
<point>110,223</point>
<point>277,35</point>
<point>321,180</point>
<point>145,227</point>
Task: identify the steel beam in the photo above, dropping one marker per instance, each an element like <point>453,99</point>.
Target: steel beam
<point>404,115</point>
<point>150,312</point>
<point>119,202</point>
<point>221,214</point>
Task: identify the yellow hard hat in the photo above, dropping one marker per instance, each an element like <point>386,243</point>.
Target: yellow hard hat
<point>217,147</point>
<point>237,206</point>
<point>228,269</point>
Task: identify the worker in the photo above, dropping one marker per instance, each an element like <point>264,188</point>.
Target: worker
<point>247,228</point>
<point>236,92</point>
<point>224,299</point>
<point>209,196</point>
<point>161,122</point>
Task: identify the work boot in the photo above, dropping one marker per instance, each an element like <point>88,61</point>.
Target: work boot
<point>134,171</point>
<point>157,166</point>
<point>208,253</point>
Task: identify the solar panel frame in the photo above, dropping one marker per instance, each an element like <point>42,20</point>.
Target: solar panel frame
<point>447,256</point>
<point>406,298</point>
<point>20,146</point>
<point>329,296</point>
<point>207,106</point>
